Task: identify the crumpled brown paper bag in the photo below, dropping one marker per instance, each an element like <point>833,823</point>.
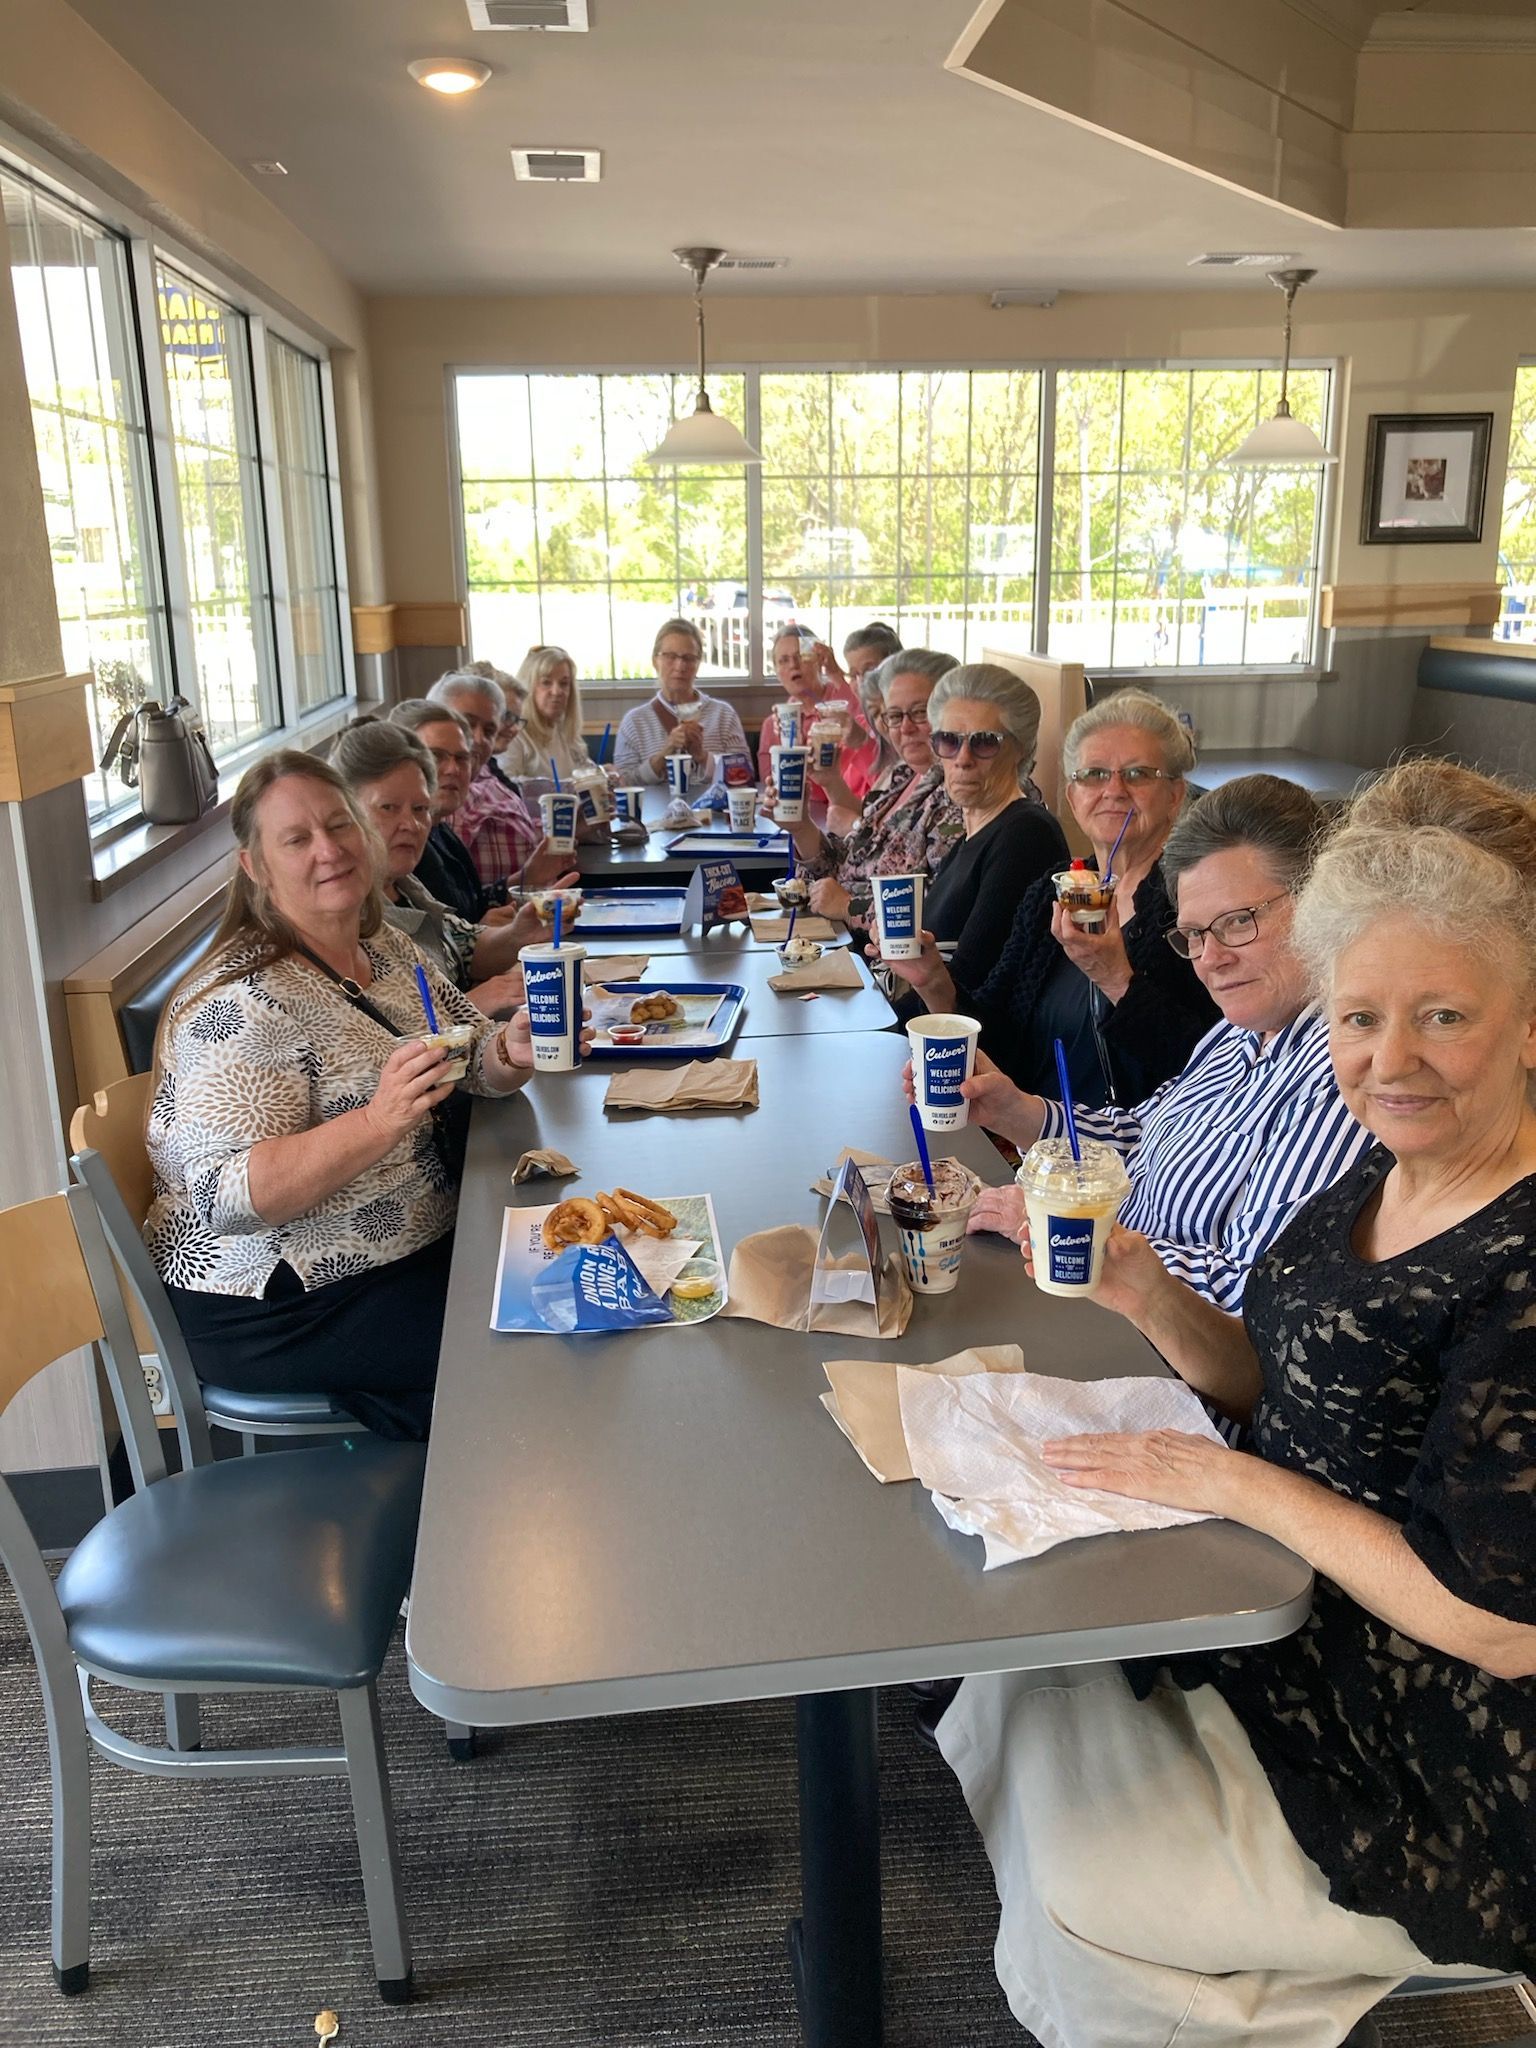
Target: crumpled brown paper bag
<point>866,1407</point>
<point>702,1084</point>
<point>613,966</point>
<point>543,1160</point>
<point>837,969</point>
<point>770,1282</point>
<point>770,927</point>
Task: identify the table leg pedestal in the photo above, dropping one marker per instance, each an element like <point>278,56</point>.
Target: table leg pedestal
<point>835,1945</point>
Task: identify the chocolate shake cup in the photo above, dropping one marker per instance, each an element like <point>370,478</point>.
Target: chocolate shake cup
<point>1071,1206</point>
<point>930,1222</point>
<point>594,794</point>
<point>553,991</point>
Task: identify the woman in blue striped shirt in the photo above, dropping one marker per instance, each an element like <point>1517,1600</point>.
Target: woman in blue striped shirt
<point>1223,1155</point>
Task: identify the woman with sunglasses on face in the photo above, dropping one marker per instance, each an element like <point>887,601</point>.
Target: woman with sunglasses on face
<point>984,722</point>
<point>1127,1010</point>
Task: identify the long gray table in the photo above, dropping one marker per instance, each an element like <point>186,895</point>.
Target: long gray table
<point>608,864</point>
<point>668,1517</point>
<point>768,1014</point>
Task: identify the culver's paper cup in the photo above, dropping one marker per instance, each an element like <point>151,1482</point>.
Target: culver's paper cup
<point>790,718</point>
<point>594,795</point>
<point>627,805</point>
<point>743,804</point>
<point>898,904</point>
<point>789,769</point>
<point>679,773</point>
<point>552,986</point>
<point>943,1055</point>
<point>1071,1206</point>
<point>559,810</point>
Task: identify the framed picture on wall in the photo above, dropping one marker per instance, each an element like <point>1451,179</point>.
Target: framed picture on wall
<point>1425,476</point>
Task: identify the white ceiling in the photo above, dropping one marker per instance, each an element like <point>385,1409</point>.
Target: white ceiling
<point>825,131</point>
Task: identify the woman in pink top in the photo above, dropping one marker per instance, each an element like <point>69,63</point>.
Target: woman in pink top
<point>814,681</point>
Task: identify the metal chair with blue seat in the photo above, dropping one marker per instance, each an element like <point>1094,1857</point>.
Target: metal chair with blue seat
<point>173,1593</point>
<point>1418,1990</point>
<point>108,1158</point>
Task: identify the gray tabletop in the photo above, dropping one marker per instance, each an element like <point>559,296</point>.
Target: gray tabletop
<point>669,1517</point>
<point>1329,781</point>
<point>606,863</point>
<point>768,1014</point>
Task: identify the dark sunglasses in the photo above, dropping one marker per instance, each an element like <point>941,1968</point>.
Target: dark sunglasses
<point>984,746</point>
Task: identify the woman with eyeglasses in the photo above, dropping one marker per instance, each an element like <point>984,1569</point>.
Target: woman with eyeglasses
<point>679,719</point>
<point>808,674</point>
<point>908,822</point>
<point>1127,1010</point>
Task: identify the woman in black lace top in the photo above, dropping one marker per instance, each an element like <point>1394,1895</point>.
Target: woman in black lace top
<point>1366,1784</point>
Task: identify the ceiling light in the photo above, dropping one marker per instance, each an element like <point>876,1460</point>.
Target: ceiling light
<point>268,167</point>
<point>449,75</point>
<point>703,436</point>
<point>1283,441</point>
<point>1025,295</point>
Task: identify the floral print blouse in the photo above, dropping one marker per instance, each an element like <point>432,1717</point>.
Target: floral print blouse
<point>267,1054</point>
<point>905,828</point>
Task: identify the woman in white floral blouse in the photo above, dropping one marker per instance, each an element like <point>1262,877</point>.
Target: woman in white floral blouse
<point>304,1199</point>
<point>908,821</point>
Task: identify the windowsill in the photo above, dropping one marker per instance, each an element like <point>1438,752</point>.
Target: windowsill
<point>121,855</point>
<point>1151,678</point>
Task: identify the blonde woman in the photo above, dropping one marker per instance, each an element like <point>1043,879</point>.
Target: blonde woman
<point>552,718</point>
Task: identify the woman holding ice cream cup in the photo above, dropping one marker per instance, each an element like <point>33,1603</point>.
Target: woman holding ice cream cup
<point>680,718</point>
<point>1330,1813</point>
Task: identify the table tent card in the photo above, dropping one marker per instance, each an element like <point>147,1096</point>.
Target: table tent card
<point>715,896</point>
<point>847,1265</point>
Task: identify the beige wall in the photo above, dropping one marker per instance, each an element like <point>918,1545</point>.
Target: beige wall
<point>1400,352</point>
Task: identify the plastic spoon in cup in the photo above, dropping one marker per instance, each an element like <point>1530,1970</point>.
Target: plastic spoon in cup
<point>922,1145</point>
<point>426,996</point>
<point>1109,865</point>
<point>1066,1103</point>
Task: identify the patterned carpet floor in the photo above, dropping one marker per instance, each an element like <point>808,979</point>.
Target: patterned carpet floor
<point>604,1884</point>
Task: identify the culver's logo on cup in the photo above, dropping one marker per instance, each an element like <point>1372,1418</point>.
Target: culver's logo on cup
<point>943,1055</point>
<point>1069,1249</point>
<point>552,990</point>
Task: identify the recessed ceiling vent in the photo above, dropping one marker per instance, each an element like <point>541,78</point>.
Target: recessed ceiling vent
<point>752,263</point>
<point>569,15</point>
<point>1240,259</point>
<point>549,166</point>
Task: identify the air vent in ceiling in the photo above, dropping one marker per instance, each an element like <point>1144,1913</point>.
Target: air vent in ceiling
<point>546,165</point>
<point>1240,259</point>
<point>752,263</point>
<point>569,15</point>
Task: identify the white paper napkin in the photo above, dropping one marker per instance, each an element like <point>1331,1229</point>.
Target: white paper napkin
<point>975,1443</point>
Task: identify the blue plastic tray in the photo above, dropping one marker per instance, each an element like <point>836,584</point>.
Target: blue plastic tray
<point>721,845</point>
<point>637,911</point>
<point>722,1029</point>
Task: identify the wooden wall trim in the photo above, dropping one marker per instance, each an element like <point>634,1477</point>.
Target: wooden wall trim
<point>1410,604</point>
<point>1516,650</point>
<point>380,628</point>
<point>45,735</point>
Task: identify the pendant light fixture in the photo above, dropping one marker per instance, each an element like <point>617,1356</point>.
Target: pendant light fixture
<point>704,436</point>
<point>1284,441</point>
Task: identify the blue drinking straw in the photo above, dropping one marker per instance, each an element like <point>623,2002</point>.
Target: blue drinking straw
<point>554,771</point>
<point>1109,867</point>
<point>790,929</point>
<point>559,906</point>
<point>602,745</point>
<point>1066,1103</point>
<point>426,996</point>
<point>922,1144</point>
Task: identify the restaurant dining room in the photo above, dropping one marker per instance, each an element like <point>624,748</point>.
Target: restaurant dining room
<point>761,1229</point>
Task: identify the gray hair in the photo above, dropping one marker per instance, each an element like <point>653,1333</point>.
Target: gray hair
<point>984,682</point>
<point>1279,820</point>
<point>470,682</point>
<point>876,634</point>
<point>911,661</point>
<point>1453,850</point>
<point>415,712</point>
<point>368,749</point>
<point>1139,708</point>
<point>684,626</point>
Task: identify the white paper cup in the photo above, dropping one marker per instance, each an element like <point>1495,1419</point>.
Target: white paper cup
<point>553,992</point>
<point>679,773</point>
<point>898,905</point>
<point>932,1238</point>
<point>789,775</point>
<point>1071,1209</point>
<point>456,1040</point>
<point>943,1055</point>
<point>743,805</point>
<point>826,739</point>
<point>627,803</point>
<point>592,790</point>
<point>791,722</point>
<point>559,810</point>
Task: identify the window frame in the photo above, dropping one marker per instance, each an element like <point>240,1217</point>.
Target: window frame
<point>1046,368</point>
<point>147,245</point>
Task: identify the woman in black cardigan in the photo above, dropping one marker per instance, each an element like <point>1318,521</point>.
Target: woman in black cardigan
<point>1127,1009</point>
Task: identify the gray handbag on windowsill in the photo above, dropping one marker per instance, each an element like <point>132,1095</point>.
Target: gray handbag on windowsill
<point>164,755</point>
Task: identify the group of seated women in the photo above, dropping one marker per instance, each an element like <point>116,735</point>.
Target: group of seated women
<point>1312,1041</point>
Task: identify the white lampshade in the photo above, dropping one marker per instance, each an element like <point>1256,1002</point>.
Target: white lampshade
<point>704,437</point>
<point>1283,441</point>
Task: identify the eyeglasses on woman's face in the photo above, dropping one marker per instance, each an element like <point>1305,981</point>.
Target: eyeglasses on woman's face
<point>983,746</point>
<point>1137,776</point>
<point>917,717</point>
<point>1232,928</point>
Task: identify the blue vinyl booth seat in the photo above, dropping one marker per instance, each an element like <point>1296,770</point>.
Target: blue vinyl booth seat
<point>275,1573</point>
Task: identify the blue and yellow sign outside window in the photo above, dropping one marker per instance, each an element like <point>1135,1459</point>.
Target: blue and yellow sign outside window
<point>191,327</point>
